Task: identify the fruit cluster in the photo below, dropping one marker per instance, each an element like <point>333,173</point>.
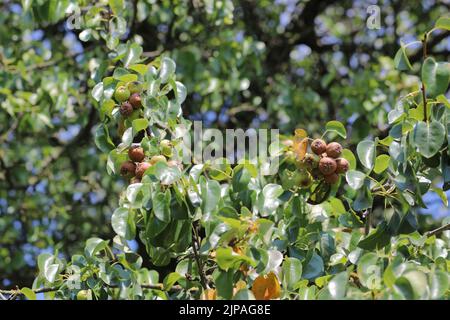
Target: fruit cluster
<point>315,162</point>
<point>129,97</point>
<point>324,162</point>
<point>138,163</point>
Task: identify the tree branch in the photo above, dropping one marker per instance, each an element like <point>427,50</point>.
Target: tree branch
<point>438,230</point>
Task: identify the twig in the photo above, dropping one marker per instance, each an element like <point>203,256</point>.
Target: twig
<point>438,230</point>
<point>424,95</point>
<point>195,242</point>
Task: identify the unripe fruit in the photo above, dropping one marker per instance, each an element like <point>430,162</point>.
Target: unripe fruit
<point>290,157</point>
<point>136,154</point>
<point>158,158</point>
<point>128,169</point>
<point>331,178</point>
<point>334,150</point>
<point>311,161</point>
<point>121,94</point>
<point>342,165</point>
<point>305,180</point>
<point>327,165</point>
<point>135,100</point>
<point>166,148</point>
<point>126,109</point>
<point>83,295</point>
<point>141,168</point>
<point>318,146</point>
<point>135,87</point>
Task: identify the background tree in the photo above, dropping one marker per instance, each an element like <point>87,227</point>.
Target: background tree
<point>288,65</point>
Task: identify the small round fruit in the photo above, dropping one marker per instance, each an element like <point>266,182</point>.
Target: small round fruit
<point>158,158</point>
<point>327,165</point>
<point>311,160</point>
<point>135,100</point>
<point>83,294</point>
<point>141,168</point>
<point>121,94</point>
<point>126,109</point>
<point>318,146</point>
<point>135,87</point>
<point>334,150</point>
<point>166,147</point>
<point>136,154</point>
<point>127,169</point>
<point>331,178</point>
<point>305,180</point>
<point>290,157</point>
<point>342,165</point>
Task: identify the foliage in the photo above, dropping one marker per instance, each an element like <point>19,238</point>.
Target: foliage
<point>229,232</point>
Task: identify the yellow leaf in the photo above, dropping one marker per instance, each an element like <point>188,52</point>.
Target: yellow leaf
<point>209,294</point>
<point>300,148</point>
<point>300,134</point>
<point>266,287</point>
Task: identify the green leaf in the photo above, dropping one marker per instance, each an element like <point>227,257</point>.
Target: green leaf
<point>366,153</point>
<point>224,283</point>
<point>350,157</point>
<point>355,179</point>
<point>435,76</point>
<point>377,238</point>
<point>443,99</point>
<point>171,279</point>
<point>428,137</point>
<point>161,206</point>
<point>168,67</point>
<point>139,124</point>
<point>28,293</point>
<point>381,163</point>
<point>117,6</point>
<point>443,23</point>
<point>102,139</point>
<point>404,288</point>
<point>292,272</point>
<point>401,61</point>
<point>133,54</point>
<point>97,91</point>
<point>337,286</point>
<point>210,195</point>
<point>336,127</point>
<point>241,179</point>
<point>369,271</point>
<point>94,245</point>
<point>439,284</point>
<point>418,282</point>
<point>123,224</point>
<point>127,137</point>
<point>313,268</point>
<point>226,258</point>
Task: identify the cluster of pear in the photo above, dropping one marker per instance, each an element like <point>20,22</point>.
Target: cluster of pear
<point>138,162</point>
<point>129,97</point>
<point>325,162</point>
<point>321,162</point>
